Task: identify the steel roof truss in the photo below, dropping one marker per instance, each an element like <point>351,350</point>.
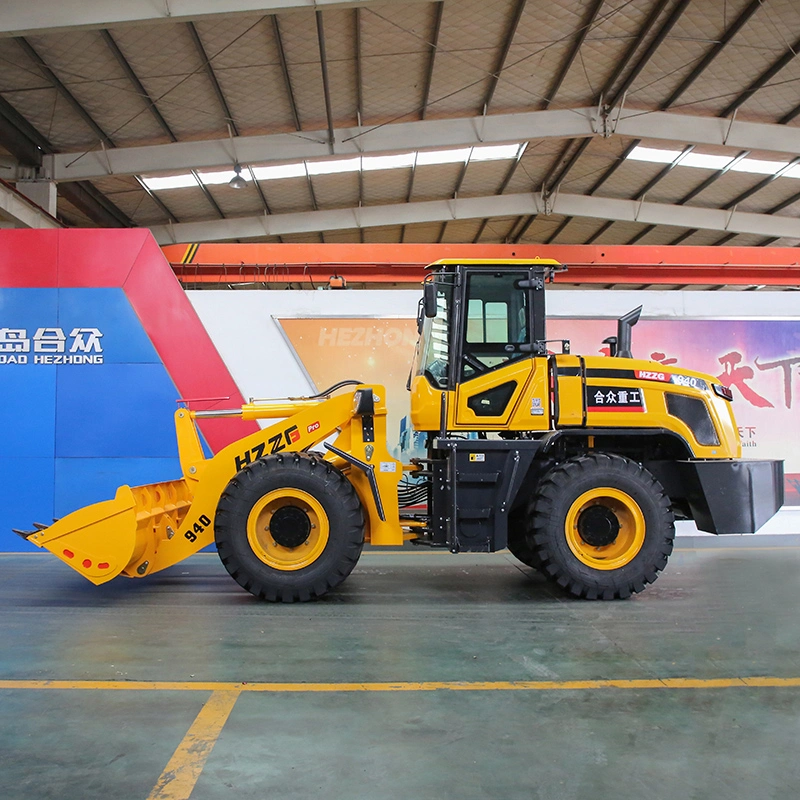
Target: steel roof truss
<point>211,201</point>
<point>54,81</point>
<point>83,195</point>
<point>713,52</point>
<point>137,84</point>
<point>503,55</point>
<point>583,31</point>
<point>20,16</point>
<point>609,100</point>
<point>762,80</point>
<point>157,200</point>
<point>599,232</point>
<point>481,229</point>
<point>276,29</point>
<point>427,134</point>
<point>599,182</point>
<point>433,46</point>
<point>649,52</point>
<point>359,71</point>
<point>516,205</point>
<point>209,70</point>
<point>326,89</point>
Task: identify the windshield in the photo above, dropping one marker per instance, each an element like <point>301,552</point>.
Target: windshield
<point>433,348</point>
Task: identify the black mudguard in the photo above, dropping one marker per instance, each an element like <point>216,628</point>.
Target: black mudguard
<point>732,496</point>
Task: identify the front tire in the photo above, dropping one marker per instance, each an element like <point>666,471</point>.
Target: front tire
<point>289,528</point>
<point>600,526</point>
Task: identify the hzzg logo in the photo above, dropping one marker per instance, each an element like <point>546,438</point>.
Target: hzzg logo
<point>51,346</point>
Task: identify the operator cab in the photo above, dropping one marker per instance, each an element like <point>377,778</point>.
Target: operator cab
<point>481,323</point>
<point>478,316</point>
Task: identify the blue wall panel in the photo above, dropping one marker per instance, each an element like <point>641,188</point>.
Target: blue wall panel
<point>124,340</point>
<point>26,308</point>
<point>115,411</point>
<point>81,481</point>
<point>27,411</point>
<point>26,496</point>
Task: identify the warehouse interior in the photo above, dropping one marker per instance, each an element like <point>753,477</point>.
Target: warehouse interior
<point>235,205</point>
<point>141,117</point>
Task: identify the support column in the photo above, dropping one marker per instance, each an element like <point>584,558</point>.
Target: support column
<point>20,211</point>
<point>43,193</point>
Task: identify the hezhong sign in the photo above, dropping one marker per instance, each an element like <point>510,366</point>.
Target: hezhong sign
<point>51,346</point>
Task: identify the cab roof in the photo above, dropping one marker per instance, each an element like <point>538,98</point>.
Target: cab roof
<point>492,262</point>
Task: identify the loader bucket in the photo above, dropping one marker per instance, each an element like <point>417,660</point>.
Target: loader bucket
<point>116,536</point>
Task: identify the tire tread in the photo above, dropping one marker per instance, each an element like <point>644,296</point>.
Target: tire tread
<point>261,580</point>
<point>544,526</point>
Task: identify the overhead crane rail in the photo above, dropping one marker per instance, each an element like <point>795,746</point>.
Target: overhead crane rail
<point>382,265</point>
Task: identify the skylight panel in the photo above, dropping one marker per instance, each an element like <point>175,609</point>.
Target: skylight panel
<point>399,161</point>
<point>333,167</point>
<point>216,178</point>
<point>431,157</point>
<point>170,182</point>
<point>494,152</point>
<point>274,173</point>
<point>704,161</point>
<point>653,154</point>
<point>755,166</point>
<point>758,167</point>
<point>406,160</point>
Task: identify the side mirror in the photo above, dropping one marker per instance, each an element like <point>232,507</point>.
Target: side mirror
<point>429,299</point>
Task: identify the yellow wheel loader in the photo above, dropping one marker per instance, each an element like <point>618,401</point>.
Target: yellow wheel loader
<point>578,464</point>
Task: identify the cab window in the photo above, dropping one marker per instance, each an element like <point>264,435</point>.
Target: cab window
<point>434,355</point>
<point>497,322</point>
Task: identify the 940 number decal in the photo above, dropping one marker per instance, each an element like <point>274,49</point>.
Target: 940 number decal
<point>202,523</point>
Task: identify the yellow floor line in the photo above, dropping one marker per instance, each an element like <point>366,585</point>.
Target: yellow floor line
<point>181,773</point>
<point>411,686</point>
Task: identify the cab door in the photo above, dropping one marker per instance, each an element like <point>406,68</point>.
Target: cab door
<point>495,366</point>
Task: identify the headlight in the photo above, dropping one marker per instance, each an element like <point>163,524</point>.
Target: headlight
<point>694,413</point>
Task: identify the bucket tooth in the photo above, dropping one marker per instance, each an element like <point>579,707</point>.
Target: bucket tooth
<point>38,527</point>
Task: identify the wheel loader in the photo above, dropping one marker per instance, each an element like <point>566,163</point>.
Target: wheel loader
<point>579,465</point>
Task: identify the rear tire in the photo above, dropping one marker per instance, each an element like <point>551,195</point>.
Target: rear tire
<point>289,528</point>
<point>518,544</point>
<point>600,526</point>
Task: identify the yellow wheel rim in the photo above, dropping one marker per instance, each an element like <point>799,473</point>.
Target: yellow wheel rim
<point>613,505</point>
<point>262,537</point>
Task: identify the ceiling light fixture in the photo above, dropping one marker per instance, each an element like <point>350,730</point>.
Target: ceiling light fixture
<point>237,181</point>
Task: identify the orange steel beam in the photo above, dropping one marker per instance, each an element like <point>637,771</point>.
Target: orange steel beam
<point>405,263</point>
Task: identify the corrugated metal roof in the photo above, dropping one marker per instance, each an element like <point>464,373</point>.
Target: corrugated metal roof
<point>390,57</point>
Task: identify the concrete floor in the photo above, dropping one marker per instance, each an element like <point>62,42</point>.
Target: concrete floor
<point>403,618</point>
